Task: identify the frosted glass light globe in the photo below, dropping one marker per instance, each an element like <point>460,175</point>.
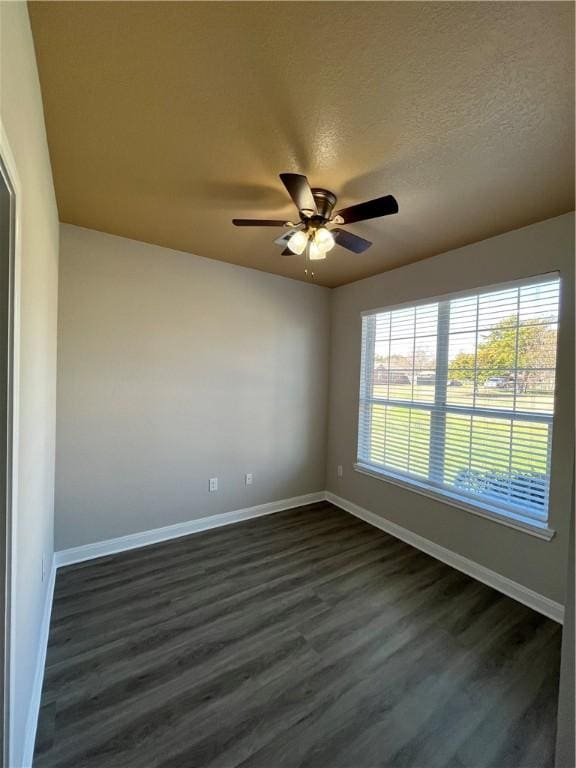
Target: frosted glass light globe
<point>324,239</point>
<point>315,252</point>
<point>297,243</point>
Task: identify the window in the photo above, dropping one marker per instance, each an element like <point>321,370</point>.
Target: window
<point>457,396</point>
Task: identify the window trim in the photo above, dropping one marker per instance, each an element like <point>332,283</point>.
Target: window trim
<point>500,513</point>
<point>509,519</point>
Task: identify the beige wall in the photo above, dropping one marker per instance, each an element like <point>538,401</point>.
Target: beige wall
<point>173,369</point>
<point>23,123</point>
<point>534,250</point>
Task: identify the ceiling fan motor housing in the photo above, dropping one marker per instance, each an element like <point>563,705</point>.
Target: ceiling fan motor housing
<point>325,202</point>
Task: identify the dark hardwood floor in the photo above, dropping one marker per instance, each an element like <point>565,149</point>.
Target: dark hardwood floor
<point>305,639</point>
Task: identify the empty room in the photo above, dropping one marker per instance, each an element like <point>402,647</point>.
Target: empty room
<point>287,384</point>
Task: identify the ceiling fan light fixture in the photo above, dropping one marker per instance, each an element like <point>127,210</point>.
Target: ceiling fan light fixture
<point>315,251</point>
<point>315,208</point>
<point>324,239</point>
<point>297,242</point>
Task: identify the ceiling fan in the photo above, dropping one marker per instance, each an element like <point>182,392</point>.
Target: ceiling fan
<point>311,235</point>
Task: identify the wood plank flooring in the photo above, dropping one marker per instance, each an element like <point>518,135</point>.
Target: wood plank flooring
<point>305,639</point>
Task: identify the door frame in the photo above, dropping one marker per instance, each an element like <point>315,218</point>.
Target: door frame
<point>10,175</point>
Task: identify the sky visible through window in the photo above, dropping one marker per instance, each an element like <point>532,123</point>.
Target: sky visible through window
<point>503,341</point>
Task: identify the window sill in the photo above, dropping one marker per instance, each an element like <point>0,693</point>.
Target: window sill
<point>532,527</point>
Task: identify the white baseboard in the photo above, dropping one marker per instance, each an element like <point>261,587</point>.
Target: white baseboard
<point>34,706</point>
<point>156,535</point>
<point>511,588</point>
<point>121,544</point>
<point>508,587</point>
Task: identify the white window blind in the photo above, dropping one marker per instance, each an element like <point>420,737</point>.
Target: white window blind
<point>458,395</point>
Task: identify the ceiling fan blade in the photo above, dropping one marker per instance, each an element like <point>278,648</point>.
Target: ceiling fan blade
<point>258,222</point>
<point>300,192</point>
<point>351,242</point>
<point>371,209</point>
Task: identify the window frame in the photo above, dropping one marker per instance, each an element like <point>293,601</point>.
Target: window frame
<point>501,512</point>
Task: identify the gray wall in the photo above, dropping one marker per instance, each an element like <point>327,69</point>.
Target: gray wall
<point>173,369</point>
<point>534,250</point>
<point>23,122</point>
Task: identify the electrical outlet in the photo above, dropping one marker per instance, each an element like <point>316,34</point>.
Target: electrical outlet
<point>340,471</point>
<point>213,484</point>
<point>249,478</point>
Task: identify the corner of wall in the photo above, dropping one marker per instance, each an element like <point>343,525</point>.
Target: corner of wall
<point>35,299</point>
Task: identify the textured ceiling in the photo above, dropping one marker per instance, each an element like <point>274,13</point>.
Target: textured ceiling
<point>165,120</point>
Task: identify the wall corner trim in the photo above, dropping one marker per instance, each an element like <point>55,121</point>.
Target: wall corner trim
<point>27,754</point>
<point>145,538</point>
<point>522,594</point>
